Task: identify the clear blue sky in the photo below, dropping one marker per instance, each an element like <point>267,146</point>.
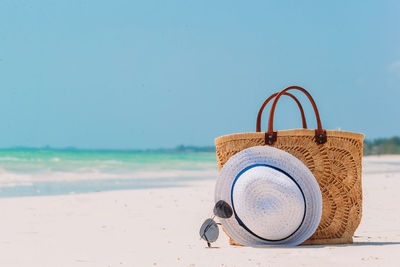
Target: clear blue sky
<point>148,74</point>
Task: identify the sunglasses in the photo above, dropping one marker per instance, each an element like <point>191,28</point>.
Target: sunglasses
<point>209,230</point>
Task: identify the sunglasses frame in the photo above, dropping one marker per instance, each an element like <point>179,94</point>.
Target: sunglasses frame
<point>223,209</point>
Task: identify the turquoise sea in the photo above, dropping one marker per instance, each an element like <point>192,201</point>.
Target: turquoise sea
<point>36,172</point>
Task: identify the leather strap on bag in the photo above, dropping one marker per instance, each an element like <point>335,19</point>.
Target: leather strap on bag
<point>271,136</point>
<point>303,117</point>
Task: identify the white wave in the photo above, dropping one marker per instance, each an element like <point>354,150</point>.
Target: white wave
<point>8,178</point>
<point>11,159</point>
<point>381,164</point>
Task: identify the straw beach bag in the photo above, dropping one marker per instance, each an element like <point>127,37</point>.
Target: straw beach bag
<point>334,158</point>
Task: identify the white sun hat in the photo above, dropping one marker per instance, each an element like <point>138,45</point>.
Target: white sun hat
<point>274,196</point>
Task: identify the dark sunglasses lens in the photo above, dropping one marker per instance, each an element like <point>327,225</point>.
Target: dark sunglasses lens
<point>223,210</point>
<point>209,231</point>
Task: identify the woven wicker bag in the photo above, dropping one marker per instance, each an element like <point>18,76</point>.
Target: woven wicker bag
<point>334,157</point>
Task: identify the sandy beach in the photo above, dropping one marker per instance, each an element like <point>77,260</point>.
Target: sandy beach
<point>159,227</point>
<point>116,117</point>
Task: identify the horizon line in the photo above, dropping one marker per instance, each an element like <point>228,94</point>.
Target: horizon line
<point>178,148</point>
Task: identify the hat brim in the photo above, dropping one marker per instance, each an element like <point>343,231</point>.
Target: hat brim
<point>292,166</point>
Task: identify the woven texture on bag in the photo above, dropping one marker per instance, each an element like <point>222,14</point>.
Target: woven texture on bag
<point>336,166</point>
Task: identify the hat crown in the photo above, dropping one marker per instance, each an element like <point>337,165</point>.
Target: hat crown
<point>253,223</point>
<point>268,202</point>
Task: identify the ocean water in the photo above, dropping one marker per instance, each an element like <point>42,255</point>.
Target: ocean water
<point>37,172</point>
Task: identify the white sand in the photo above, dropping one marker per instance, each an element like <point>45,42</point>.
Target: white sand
<point>159,227</point>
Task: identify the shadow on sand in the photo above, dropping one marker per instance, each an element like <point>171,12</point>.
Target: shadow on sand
<point>355,244</point>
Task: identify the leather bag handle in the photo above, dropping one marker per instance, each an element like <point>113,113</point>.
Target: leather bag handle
<point>303,117</point>
<point>271,136</point>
